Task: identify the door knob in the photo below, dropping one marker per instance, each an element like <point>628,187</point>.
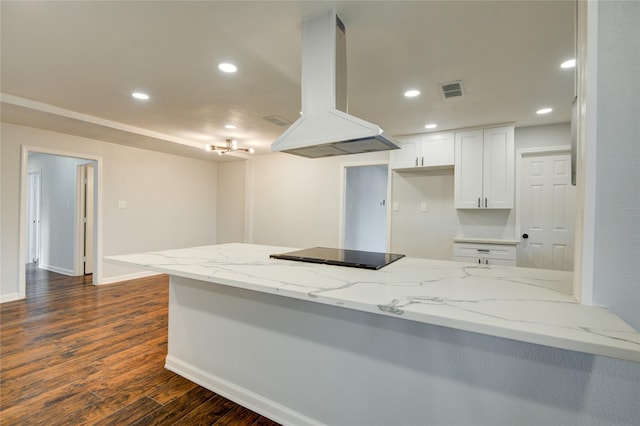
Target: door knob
<point>525,236</point>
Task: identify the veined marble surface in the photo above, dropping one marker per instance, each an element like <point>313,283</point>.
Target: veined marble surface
<point>529,305</point>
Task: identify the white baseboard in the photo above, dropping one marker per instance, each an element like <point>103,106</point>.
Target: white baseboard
<point>63,271</point>
<point>244,397</point>
<point>9,297</point>
<point>127,277</point>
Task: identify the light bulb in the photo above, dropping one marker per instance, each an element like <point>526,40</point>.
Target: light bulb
<point>226,67</point>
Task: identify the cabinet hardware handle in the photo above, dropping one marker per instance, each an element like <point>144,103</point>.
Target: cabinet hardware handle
<point>525,236</point>
<point>416,161</point>
<point>479,261</point>
<point>486,261</point>
<point>422,161</point>
<point>484,250</point>
<point>478,201</point>
<point>485,202</point>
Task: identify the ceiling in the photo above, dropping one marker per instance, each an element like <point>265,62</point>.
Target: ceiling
<point>71,67</point>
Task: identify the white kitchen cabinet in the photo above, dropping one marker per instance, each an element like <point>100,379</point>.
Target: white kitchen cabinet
<point>431,150</point>
<point>485,254</point>
<point>485,168</point>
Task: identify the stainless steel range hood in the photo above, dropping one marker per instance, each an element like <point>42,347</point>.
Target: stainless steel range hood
<point>325,129</point>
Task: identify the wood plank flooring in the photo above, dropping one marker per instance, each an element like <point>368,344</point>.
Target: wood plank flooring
<point>77,354</point>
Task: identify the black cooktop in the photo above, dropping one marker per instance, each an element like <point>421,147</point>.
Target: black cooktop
<point>341,257</point>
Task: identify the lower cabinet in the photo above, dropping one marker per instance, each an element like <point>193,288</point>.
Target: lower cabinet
<point>485,254</point>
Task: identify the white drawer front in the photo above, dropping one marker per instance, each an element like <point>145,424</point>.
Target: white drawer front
<point>491,251</point>
<point>484,261</point>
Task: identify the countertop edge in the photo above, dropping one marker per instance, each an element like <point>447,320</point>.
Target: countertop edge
<point>508,332</point>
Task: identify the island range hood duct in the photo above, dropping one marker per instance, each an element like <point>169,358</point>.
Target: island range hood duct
<point>325,129</point>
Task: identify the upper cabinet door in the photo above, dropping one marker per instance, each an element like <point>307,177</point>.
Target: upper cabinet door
<point>485,169</point>
<point>437,149</point>
<point>499,168</point>
<point>407,156</point>
<point>468,169</point>
<point>424,151</point>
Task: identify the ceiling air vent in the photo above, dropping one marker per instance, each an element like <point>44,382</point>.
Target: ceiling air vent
<point>276,120</point>
<point>452,90</point>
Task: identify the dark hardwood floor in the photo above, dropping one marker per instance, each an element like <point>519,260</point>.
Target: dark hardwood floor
<point>77,354</point>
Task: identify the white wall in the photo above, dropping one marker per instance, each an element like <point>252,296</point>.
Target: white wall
<point>296,201</point>
<point>543,136</point>
<point>230,213</point>
<point>423,234</point>
<point>617,216</point>
<point>58,210</point>
<point>171,200</point>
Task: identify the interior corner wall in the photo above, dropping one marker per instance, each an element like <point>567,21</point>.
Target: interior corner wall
<point>617,211</point>
<point>230,216</point>
<point>170,200</point>
<point>423,234</point>
<point>295,201</point>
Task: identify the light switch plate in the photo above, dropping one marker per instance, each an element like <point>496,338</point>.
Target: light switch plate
<point>423,207</point>
<point>122,204</point>
<point>395,207</point>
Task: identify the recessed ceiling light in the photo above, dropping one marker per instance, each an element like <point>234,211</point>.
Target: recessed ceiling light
<point>411,93</point>
<point>226,67</point>
<point>544,111</point>
<point>230,126</point>
<point>140,95</point>
<point>568,64</point>
<point>431,126</point>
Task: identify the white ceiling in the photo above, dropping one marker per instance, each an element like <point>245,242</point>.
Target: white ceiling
<point>71,66</point>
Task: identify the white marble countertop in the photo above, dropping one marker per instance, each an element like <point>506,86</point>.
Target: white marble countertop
<point>529,305</point>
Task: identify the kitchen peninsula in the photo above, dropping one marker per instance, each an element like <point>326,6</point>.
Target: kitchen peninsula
<point>319,344</point>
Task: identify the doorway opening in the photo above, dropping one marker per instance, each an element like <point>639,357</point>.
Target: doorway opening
<point>365,195</point>
<point>59,214</point>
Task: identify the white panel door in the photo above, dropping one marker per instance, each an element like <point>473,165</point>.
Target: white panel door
<point>88,219</point>
<point>547,212</point>
<point>33,217</point>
